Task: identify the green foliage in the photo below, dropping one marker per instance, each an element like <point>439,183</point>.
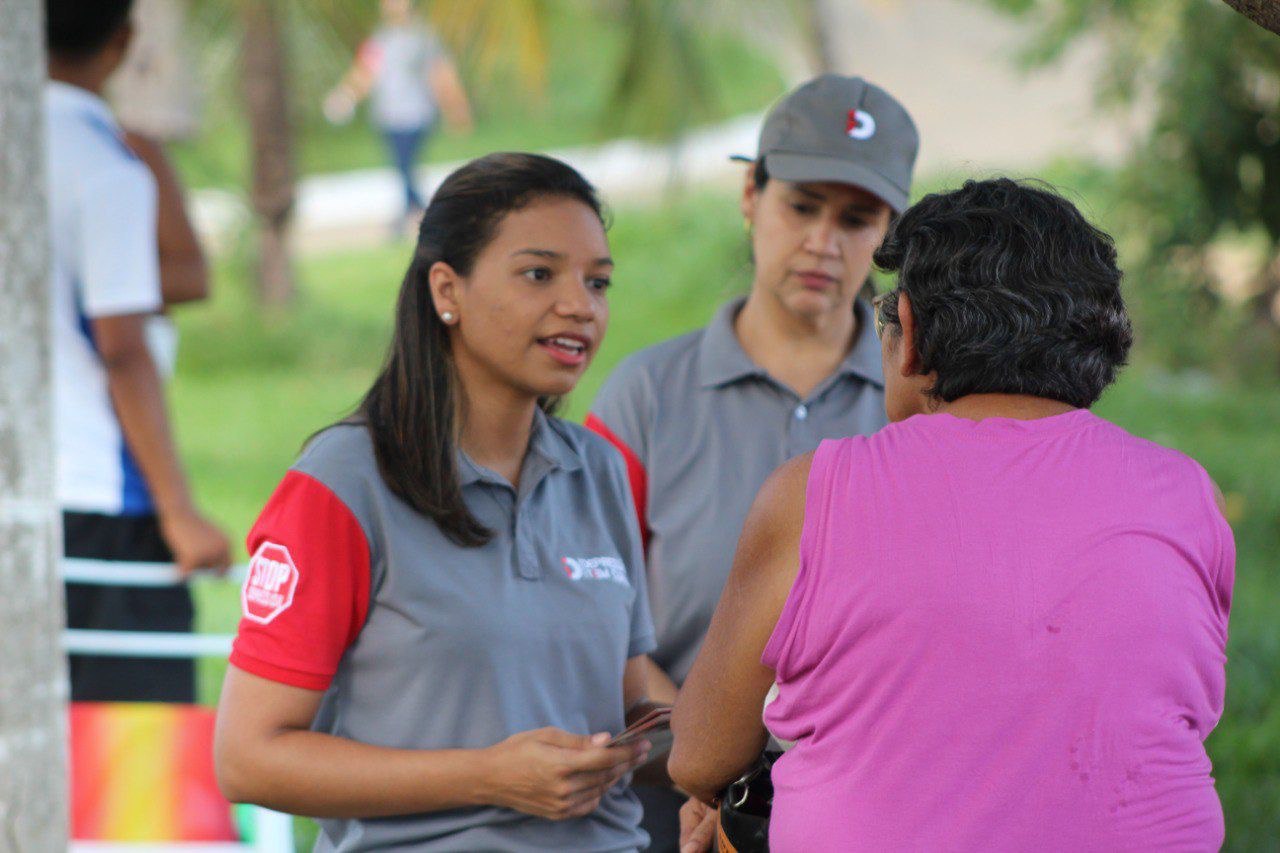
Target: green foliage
<point>598,85</point>
<point>1205,178</point>
<point>663,86</point>
<point>1230,429</point>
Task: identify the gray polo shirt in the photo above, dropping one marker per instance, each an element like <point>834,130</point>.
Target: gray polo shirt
<point>702,427</point>
<point>421,644</point>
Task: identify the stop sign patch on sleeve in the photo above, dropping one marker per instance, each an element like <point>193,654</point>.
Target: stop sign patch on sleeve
<point>269,586</point>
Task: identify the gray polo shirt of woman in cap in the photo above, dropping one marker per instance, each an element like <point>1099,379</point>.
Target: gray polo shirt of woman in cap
<point>701,427</point>
<point>419,643</point>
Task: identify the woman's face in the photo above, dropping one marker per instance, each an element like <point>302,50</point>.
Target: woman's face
<point>531,314</point>
<point>813,242</point>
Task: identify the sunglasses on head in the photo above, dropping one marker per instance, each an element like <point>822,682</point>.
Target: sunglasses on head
<point>877,310</point>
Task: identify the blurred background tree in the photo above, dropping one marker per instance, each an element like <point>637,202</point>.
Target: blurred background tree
<point>266,63</point>
<point>1198,199</point>
<point>1264,13</point>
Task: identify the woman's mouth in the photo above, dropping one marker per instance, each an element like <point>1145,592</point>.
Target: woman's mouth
<point>566,349</point>
<point>815,280</point>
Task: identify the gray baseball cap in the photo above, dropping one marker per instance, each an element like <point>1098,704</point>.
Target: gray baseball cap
<point>842,129</point>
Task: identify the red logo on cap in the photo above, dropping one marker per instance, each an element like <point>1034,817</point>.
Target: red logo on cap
<point>859,125</point>
<point>269,586</point>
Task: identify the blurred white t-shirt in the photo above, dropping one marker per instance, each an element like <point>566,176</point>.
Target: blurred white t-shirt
<point>399,58</point>
<point>105,262</point>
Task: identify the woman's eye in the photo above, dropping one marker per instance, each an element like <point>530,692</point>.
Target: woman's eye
<point>538,274</point>
<point>853,222</point>
<point>601,283</point>
<point>804,209</point>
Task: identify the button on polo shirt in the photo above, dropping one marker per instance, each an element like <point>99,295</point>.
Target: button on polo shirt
<point>419,643</point>
<point>701,427</point>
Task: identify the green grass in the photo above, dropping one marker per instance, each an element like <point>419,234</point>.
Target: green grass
<point>252,386</point>
<point>583,50</point>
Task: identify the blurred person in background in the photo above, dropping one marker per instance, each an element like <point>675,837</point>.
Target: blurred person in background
<point>121,249</point>
<point>703,419</point>
<point>445,616</point>
<point>1000,622</point>
<point>407,74</point>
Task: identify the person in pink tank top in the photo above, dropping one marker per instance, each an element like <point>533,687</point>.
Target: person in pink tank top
<point>1000,622</point>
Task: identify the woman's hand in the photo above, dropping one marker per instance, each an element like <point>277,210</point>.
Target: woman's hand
<point>339,105</point>
<point>697,826</point>
<point>553,774</point>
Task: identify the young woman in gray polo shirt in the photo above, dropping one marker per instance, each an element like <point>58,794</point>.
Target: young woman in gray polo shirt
<point>705,418</point>
<point>445,614</point>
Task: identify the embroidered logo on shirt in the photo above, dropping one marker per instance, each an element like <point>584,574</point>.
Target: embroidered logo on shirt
<point>596,569</point>
<point>269,586</point>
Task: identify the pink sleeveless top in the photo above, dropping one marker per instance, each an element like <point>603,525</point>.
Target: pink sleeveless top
<point>1004,635</point>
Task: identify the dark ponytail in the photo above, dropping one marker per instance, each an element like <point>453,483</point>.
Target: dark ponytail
<point>410,409</point>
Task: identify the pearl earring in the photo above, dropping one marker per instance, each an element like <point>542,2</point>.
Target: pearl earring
<point>447,316</point>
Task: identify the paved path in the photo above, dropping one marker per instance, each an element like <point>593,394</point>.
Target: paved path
<point>356,207</point>
<point>950,61</point>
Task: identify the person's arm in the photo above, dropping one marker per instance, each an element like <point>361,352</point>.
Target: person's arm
<point>341,101</point>
<point>658,686</point>
<point>357,82</point>
<point>636,685</point>
<point>450,94</point>
<point>264,753</point>
<point>717,719</point>
<point>645,688</point>
<point>138,397</point>
<point>184,273</point>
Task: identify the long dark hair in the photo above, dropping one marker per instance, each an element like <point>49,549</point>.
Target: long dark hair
<point>409,410</point>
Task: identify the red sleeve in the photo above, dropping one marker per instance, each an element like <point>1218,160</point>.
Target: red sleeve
<point>636,474</point>
<point>306,593</point>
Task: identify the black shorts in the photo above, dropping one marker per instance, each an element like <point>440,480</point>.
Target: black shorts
<point>125,608</point>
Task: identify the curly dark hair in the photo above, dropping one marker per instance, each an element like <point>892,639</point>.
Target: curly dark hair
<point>1013,292</point>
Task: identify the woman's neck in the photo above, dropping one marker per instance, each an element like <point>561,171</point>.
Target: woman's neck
<point>1022,407</point>
<point>494,428</point>
<point>800,352</point>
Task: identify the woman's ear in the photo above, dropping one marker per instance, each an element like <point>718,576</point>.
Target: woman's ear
<point>750,198</point>
<point>909,363</point>
<point>445,284</point>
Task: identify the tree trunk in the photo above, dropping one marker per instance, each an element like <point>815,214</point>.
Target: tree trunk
<point>33,780</point>
<point>819,37</point>
<point>1264,13</point>
<point>266,95</point>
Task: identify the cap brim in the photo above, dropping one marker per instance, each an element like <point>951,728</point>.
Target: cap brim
<point>807,168</point>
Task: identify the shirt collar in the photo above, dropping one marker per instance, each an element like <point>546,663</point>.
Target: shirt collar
<point>546,444</point>
<point>86,102</point>
<point>722,360</point>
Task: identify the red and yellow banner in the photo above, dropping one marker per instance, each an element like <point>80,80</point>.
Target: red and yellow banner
<point>144,772</point>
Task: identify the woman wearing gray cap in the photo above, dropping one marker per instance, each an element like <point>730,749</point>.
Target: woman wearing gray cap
<point>703,419</point>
